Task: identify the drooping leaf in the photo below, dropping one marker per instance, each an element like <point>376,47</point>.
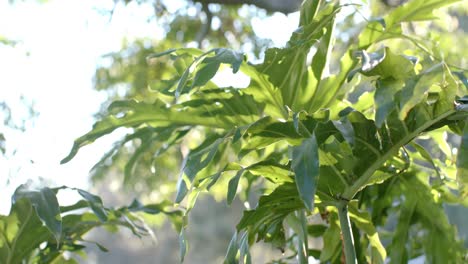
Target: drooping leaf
<point>245,256</point>
<point>298,223</point>
<point>46,205</point>
<point>231,254</point>
<point>364,222</point>
<point>205,74</point>
<point>425,154</point>
<point>386,89</point>
<point>232,188</point>
<point>306,167</point>
<point>183,245</point>
<point>266,220</point>
<point>197,160</point>
<point>95,203</point>
<point>224,109</point>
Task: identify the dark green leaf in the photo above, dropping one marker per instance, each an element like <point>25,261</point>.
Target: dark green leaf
<point>227,56</point>
<point>95,203</point>
<point>46,205</point>
<point>205,74</point>
<point>305,164</point>
<point>197,160</point>
<point>232,188</point>
<point>316,230</point>
<point>383,97</point>
<point>266,220</point>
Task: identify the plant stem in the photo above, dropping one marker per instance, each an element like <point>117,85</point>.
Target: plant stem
<point>348,240</point>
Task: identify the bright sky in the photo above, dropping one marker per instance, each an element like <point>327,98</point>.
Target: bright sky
<point>61,43</point>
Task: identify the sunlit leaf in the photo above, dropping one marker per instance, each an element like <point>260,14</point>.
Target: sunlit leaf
<point>386,64</point>
<point>364,222</point>
<point>46,205</point>
<point>462,163</point>
<point>416,10</point>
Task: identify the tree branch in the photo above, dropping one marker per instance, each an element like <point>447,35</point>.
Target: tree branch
<point>205,29</point>
<point>283,6</point>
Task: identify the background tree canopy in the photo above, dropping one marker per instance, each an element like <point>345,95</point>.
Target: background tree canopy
<point>355,129</point>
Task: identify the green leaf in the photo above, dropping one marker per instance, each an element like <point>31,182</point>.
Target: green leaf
<point>398,252</point>
<point>232,187</point>
<point>462,164</point>
<point>287,68</point>
<point>226,56</point>
<point>183,245</point>
<point>305,164</point>
<point>383,97</point>
<point>298,223</point>
<point>205,74</point>
<point>376,31</point>
<point>217,108</point>
<point>416,10</point>
<point>266,221</point>
<point>426,155</point>
<point>197,160</point>
<point>363,221</point>
<point>377,146</point>
<point>416,89</point>
<point>46,205</point>
<point>386,64</point>
<point>332,240</point>
<point>316,230</point>
<point>462,78</point>
<point>95,203</point>
<point>231,253</point>
<point>21,232</point>
<point>245,256</point>
<point>272,171</point>
<point>430,213</point>
<point>309,11</point>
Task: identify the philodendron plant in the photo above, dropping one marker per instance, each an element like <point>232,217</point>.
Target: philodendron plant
<point>375,143</point>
